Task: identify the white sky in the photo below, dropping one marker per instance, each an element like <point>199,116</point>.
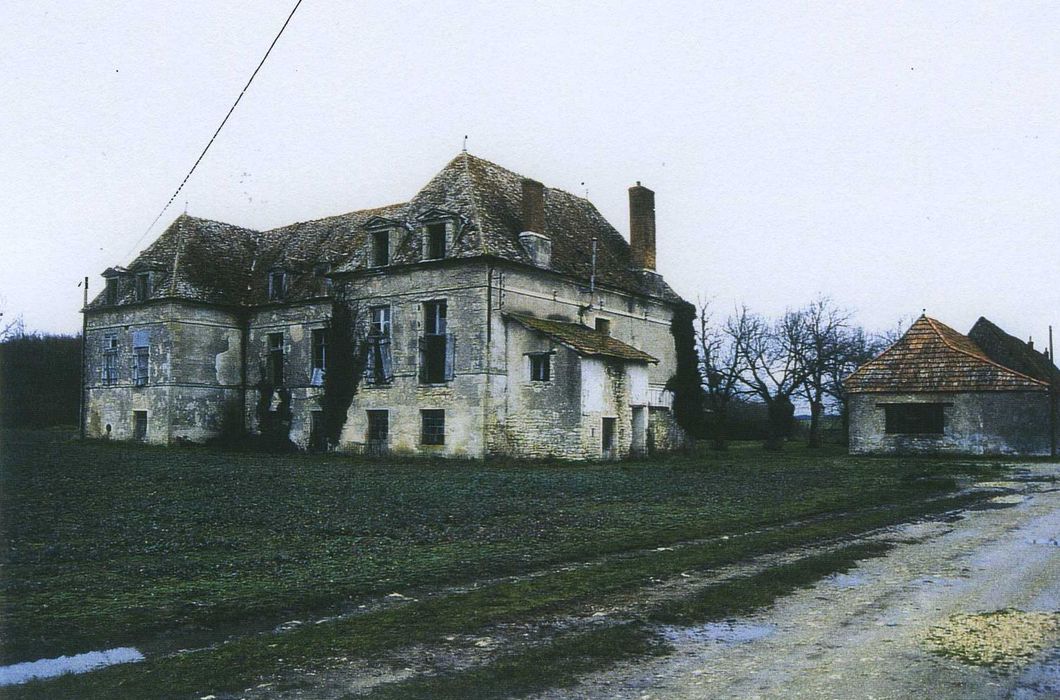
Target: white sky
<point>896,156</point>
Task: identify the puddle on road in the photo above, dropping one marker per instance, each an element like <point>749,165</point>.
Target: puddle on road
<point>1047,541</point>
<point>719,633</point>
<point>847,580</point>
<point>78,663</point>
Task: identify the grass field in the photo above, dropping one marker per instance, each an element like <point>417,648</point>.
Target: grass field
<point>110,545</point>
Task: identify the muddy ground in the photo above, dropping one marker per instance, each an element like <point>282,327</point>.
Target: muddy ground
<point>865,634</point>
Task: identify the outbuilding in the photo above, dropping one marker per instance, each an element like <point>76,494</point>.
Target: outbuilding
<point>938,391</point>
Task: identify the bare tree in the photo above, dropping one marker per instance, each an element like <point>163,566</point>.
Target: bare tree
<point>719,367</point>
<point>823,326</point>
<point>856,347</point>
<point>770,365</point>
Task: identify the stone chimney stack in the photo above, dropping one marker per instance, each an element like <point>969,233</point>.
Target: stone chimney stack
<point>642,227</point>
<point>533,206</point>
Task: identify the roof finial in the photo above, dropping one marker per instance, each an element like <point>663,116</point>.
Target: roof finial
<point>465,143</point>
<point>185,207</point>
<point>586,191</point>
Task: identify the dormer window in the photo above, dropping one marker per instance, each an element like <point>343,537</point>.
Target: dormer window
<point>110,296</point>
<point>144,286</point>
<point>320,271</point>
<point>435,242</point>
<point>277,285</point>
<point>380,253</point>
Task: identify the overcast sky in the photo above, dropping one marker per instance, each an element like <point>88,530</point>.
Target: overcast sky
<point>894,156</point>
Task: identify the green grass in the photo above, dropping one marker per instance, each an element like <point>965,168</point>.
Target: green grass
<point>108,545</point>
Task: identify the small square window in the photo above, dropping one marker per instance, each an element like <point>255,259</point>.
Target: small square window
<point>540,367</point>
<point>603,325</point>
<point>435,242</point>
<point>433,427</point>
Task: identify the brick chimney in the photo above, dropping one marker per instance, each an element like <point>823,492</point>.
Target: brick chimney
<point>537,245</point>
<point>642,227</point>
<point>533,206</point>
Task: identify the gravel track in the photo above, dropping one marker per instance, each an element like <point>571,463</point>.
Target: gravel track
<point>863,634</point>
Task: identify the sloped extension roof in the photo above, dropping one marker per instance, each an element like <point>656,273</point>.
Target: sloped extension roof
<point>216,262</point>
<point>933,357</point>
<point>582,339</point>
<point>1012,352</point>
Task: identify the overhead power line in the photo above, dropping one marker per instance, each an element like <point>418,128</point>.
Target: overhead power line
<point>221,126</point>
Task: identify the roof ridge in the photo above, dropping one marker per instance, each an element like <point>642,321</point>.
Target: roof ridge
<point>335,216</point>
<point>981,357</point>
<point>176,254</point>
<point>473,191</point>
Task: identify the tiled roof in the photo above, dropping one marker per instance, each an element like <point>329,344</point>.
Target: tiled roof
<point>221,263</point>
<point>582,339</point>
<point>932,357</point>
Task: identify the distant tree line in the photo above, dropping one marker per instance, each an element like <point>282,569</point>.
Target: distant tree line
<point>756,368</point>
<point>40,379</point>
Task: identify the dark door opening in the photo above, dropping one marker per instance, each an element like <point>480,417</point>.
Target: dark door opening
<point>140,425</point>
<point>378,438</point>
<point>607,438</point>
<point>317,440</point>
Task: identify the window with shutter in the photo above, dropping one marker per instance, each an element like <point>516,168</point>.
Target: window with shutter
<point>141,357</point>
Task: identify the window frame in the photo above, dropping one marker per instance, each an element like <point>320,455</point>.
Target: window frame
<point>432,435</point>
<point>437,345</point>
<point>602,325</point>
<point>275,359</point>
<point>379,248</point>
<point>436,240</point>
<point>915,418</point>
<point>318,355</point>
<point>144,285</point>
<point>110,291</point>
<point>109,372</point>
<point>277,292</point>
<point>540,366</point>
<point>141,357</point>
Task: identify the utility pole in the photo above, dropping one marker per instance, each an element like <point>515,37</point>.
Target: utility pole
<point>1053,408</point>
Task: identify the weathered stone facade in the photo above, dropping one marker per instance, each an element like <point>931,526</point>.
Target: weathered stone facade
<point>452,278</point>
<point>981,423</point>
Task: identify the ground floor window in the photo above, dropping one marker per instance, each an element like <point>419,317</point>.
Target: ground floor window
<point>140,425</point>
<point>432,427</point>
<point>914,418</point>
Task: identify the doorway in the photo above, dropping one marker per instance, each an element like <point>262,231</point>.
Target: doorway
<point>140,425</point>
<point>607,438</point>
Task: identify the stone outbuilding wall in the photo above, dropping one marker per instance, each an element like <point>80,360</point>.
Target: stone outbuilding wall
<point>1010,422</point>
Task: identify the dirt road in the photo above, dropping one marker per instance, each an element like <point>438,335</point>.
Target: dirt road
<point>863,634</point>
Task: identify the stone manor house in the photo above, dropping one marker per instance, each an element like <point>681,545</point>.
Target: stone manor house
<point>498,317</point>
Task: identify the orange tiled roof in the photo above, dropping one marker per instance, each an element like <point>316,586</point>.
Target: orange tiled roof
<point>931,356</point>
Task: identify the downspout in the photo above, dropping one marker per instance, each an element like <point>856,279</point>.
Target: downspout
<point>487,398</point>
<point>83,408</point>
<point>244,339</point>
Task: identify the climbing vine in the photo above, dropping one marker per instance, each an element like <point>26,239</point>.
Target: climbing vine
<point>686,383</point>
